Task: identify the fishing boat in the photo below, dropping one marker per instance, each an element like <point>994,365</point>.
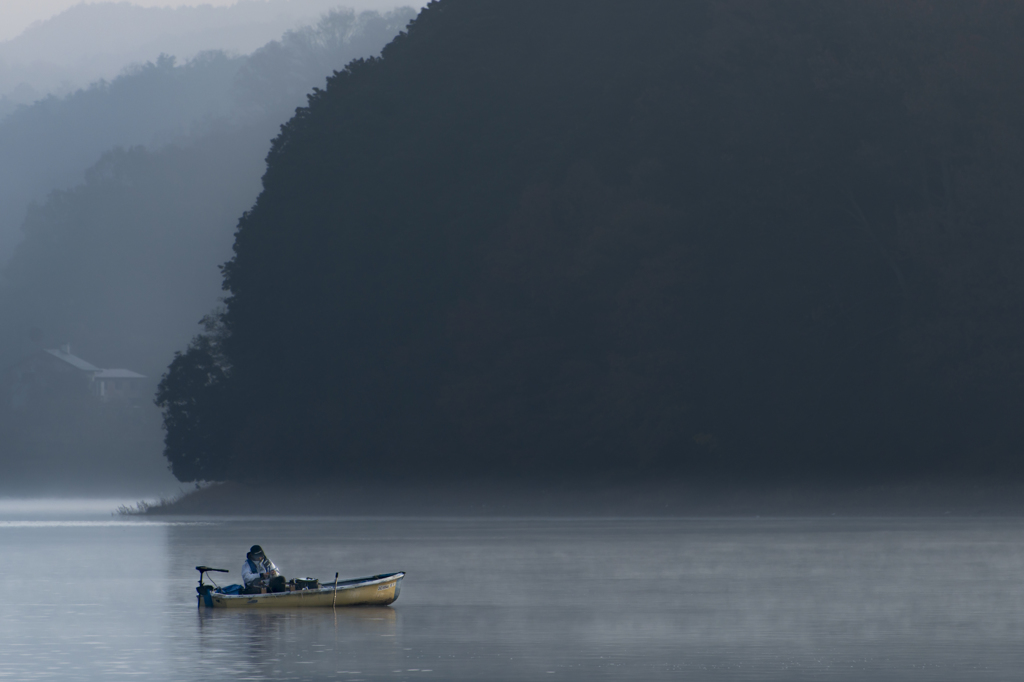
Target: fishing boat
<point>377,590</point>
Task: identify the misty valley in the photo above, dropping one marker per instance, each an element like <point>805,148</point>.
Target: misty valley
<point>119,265</point>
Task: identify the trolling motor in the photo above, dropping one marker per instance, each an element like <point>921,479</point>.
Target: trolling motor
<point>203,591</point>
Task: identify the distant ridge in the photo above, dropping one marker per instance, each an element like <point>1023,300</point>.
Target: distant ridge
<point>111,28</point>
<point>89,42</point>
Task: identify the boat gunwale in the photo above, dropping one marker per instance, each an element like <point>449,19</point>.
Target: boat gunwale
<point>328,589</point>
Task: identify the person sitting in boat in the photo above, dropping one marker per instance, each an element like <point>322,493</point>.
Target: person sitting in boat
<point>258,572</point>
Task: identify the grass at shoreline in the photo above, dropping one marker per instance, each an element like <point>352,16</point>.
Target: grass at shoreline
<point>143,507</point>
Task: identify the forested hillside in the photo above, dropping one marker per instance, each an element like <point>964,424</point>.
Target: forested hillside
<point>720,236</point>
<point>50,144</point>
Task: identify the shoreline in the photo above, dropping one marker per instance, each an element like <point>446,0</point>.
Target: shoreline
<point>607,500</point>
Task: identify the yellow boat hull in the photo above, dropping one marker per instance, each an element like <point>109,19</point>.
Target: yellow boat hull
<point>376,591</point>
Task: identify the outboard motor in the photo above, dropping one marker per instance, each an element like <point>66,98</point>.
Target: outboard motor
<point>204,590</point>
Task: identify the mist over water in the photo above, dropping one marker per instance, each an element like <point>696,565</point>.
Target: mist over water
<point>59,510</point>
<point>91,596</point>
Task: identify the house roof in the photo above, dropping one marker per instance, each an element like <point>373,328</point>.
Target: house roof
<point>73,360</point>
<point>118,374</point>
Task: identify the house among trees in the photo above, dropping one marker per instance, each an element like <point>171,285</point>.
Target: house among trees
<point>57,373</point>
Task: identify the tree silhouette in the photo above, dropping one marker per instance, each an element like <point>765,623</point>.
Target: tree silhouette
<point>722,236</point>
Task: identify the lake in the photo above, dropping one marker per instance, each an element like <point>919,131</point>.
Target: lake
<point>89,596</point>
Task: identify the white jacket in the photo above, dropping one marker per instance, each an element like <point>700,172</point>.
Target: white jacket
<point>251,570</point>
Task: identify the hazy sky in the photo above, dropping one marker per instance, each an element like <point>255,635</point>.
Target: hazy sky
<point>17,15</point>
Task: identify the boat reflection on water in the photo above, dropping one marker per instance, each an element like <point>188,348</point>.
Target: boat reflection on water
<point>306,643</point>
<point>380,620</point>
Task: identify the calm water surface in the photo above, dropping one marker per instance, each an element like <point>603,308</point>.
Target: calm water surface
<point>90,597</point>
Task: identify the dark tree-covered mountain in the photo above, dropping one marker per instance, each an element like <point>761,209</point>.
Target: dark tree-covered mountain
<point>721,236</point>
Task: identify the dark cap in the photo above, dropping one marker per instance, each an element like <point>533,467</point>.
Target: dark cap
<point>255,549</point>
